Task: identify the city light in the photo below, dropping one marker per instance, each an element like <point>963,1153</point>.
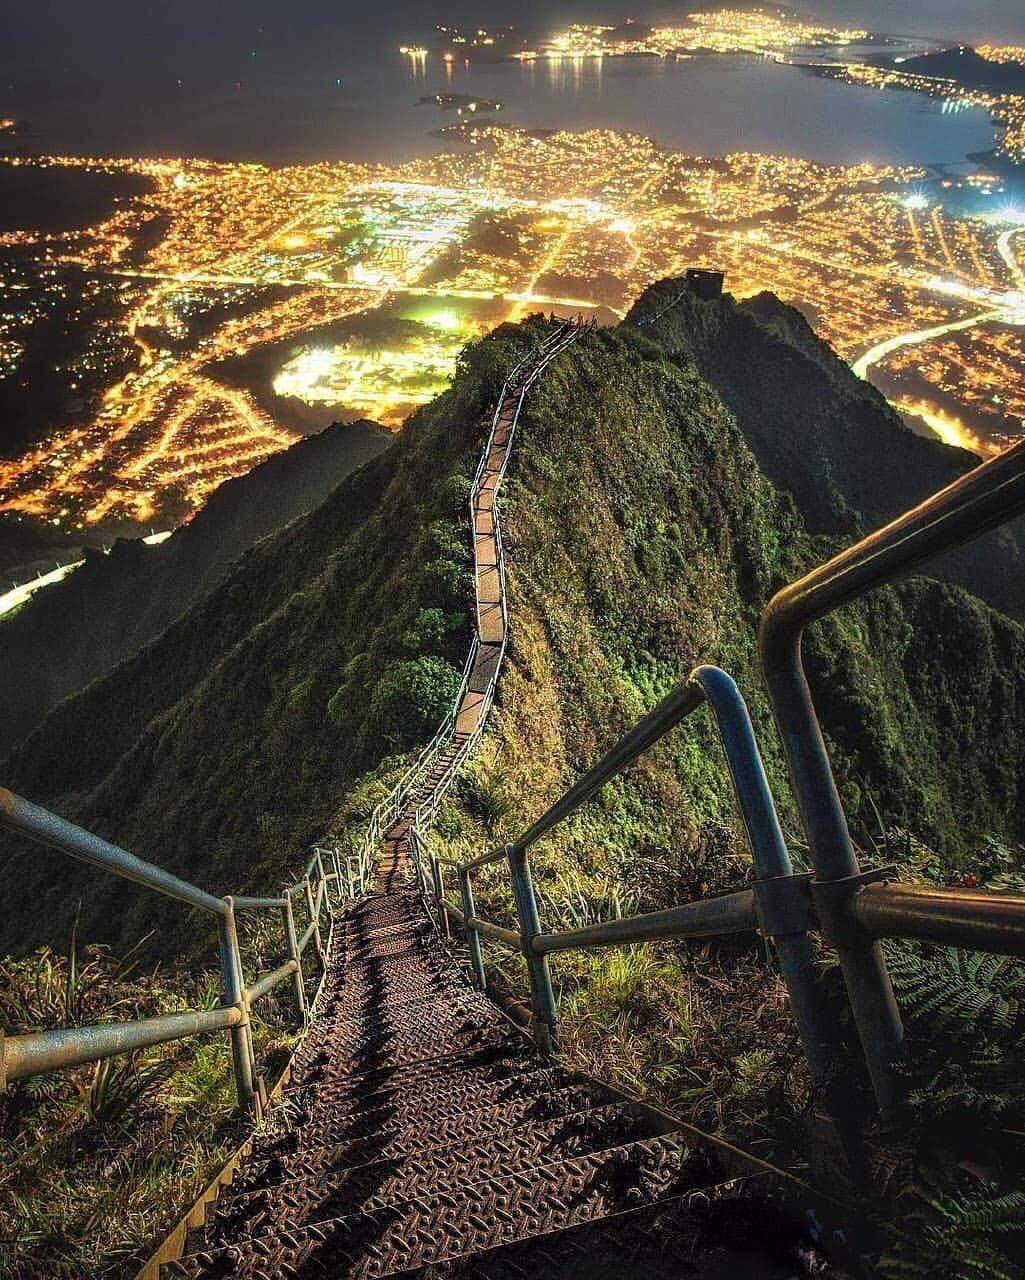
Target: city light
<point>925,300</point>
<point>443,320</point>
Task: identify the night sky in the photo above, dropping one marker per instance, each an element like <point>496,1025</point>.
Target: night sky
<point>47,40</point>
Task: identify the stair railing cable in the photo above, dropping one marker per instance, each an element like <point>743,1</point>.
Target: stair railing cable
<point>850,908</point>
<point>40,1052</point>
<point>423,816</point>
<point>388,810</point>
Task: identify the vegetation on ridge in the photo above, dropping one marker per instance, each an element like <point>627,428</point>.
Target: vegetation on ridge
<point>643,538</point>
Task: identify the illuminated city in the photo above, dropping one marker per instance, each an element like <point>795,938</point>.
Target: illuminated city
<point>227,308</point>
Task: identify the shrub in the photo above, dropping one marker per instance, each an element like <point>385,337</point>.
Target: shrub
<point>427,632</point>
<point>411,698</point>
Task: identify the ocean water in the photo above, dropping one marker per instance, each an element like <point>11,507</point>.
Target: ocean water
<point>367,109</point>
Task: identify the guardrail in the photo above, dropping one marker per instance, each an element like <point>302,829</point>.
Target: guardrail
<point>43,1051</point>
<point>776,904</point>
<point>849,908</point>
<point>37,1052</point>
<point>856,908</point>
<point>389,809</point>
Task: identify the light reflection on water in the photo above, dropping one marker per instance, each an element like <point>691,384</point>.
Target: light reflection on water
<point>368,110</point>
<point>710,105</point>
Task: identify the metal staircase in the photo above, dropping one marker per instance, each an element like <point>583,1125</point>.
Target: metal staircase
<point>423,1135</point>
<point>421,1132</point>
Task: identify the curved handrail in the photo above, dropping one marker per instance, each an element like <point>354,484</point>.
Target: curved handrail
<point>388,809</point>
<point>536,360</point>
<point>777,903</point>
<point>985,497</point>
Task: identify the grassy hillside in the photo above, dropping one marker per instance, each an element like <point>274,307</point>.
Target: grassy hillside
<point>642,537</point>
<point>821,434</point>
<point>229,742</point>
<point>642,540</point>
<point>79,629</point>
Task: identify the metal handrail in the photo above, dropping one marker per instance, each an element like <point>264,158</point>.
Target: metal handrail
<point>47,828</point>
<point>43,1051</point>
<point>389,808</point>
<point>850,912</point>
<point>393,803</point>
<point>985,497</point>
<point>777,905</point>
<point>25,1055</point>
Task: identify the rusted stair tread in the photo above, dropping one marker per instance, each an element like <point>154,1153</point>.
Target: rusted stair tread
<point>682,1236</point>
<point>514,1145</point>
<point>440,1090</point>
<point>443,1067</point>
<point>379,1051</point>
<point>444,1226</point>
<point>361,985</point>
<point>394,1137</point>
<point>395,1046</point>
<point>405,985</point>
<point>359,1013</point>
<point>389,1112</point>
<point>353,1033</point>
<point>293,1202</point>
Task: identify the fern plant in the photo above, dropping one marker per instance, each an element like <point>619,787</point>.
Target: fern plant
<point>956,1175</point>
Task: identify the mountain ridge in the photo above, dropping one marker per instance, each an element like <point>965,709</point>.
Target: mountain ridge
<point>642,537</point>
<point>81,628</point>
<point>822,434</point>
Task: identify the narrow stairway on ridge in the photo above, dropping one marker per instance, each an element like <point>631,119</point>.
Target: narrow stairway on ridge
<point>423,1134</point>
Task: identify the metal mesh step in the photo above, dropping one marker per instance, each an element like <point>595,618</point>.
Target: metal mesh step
<point>441,1225</point>
<point>392,1138</point>
<point>334,1190</point>
<point>729,1231</point>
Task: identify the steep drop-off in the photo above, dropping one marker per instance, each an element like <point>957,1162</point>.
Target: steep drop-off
<point>822,434</point>
<point>81,628</point>
<point>642,538</point>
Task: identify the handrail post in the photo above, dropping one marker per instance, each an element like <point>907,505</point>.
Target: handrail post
<point>542,996</point>
<point>988,495</point>
<point>413,848</point>
<point>350,878</point>
<point>439,890</point>
<point>326,883</point>
<point>472,934</point>
<point>867,981</point>
<point>234,989</point>
<point>782,899</point>
<point>311,907</point>
<point>293,954</point>
<point>338,875</point>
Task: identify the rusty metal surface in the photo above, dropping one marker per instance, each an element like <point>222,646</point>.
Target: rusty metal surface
<point>421,1130</point>
<point>422,1134</point>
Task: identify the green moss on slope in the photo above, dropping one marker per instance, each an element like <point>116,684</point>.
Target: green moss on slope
<point>643,538</point>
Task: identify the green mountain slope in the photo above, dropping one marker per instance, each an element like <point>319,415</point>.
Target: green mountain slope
<point>642,538</point>
<point>79,629</point>
<point>821,434</point>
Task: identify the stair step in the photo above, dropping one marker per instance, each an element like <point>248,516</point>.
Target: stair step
<point>441,1226</point>
<point>385,1113</point>
<point>394,1138</point>
<point>727,1231</point>
<point>430,1092</point>
<point>441,1068</point>
<point>295,1201</point>
<point>516,1144</point>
